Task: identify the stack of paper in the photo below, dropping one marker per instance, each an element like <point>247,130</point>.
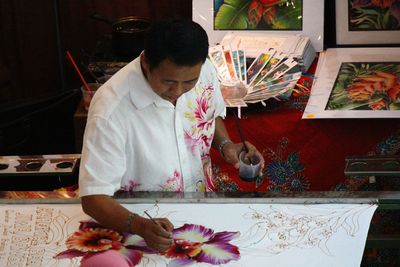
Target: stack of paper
<point>296,46</point>
<point>246,79</point>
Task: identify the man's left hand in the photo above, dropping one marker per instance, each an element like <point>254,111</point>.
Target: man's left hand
<point>231,153</point>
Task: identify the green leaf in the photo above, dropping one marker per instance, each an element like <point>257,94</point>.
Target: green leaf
<point>288,17</point>
<point>293,160</point>
<point>386,20</point>
<point>232,15</point>
<point>394,106</point>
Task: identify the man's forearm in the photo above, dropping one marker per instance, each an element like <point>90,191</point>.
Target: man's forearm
<point>220,133</point>
<point>107,211</point>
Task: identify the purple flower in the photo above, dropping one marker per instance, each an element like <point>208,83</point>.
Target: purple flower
<point>196,243</point>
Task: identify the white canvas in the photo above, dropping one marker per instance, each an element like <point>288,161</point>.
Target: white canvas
<point>270,234</point>
<point>328,68</point>
<point>313,22</point>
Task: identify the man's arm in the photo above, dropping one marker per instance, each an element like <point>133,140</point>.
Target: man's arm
<point>110,213</point>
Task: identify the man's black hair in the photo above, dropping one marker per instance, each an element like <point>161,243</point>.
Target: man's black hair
<point>184,42</point>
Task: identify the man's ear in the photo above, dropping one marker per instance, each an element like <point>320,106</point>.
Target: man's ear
<point>144,63</point>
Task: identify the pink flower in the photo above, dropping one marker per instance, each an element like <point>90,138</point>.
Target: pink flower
<point>92,240</point>
<point>131,186</point>
<point>204,120</point>
<point>174,183</point>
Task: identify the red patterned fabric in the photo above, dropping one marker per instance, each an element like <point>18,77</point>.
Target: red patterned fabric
<point>321,146</point>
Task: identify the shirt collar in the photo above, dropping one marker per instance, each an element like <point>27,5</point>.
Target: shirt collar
<point>141,93</point>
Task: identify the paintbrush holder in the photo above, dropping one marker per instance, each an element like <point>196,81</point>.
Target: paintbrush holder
<point>41,172</point>
<point>249,169</point>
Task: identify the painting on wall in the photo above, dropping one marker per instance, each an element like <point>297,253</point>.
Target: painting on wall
<point>366,86</point>
<point>374,15</point>
<point>280,18</point>
<point>258,15</point>
<point>361,22</point>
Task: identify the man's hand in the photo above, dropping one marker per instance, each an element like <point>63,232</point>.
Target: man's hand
<point>231,153</point>
<point>157,233</point>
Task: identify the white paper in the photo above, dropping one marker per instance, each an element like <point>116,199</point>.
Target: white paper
<point>270,234</point>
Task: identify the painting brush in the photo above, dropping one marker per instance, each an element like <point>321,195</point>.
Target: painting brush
<point>246,149</point>
<point>241,134</point>
<point>151,218</point>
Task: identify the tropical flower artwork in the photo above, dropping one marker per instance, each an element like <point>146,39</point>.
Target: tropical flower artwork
<point>192,244</point>
<point>258,14</point>
<point>370,15</point>
<point>366,86</point>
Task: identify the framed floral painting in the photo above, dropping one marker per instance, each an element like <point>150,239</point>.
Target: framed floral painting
<point>375,22</point>
<point>356,83</point>
<point>260,17</point>
<point>366,86</point>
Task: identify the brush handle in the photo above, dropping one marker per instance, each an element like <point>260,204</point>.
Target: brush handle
<point>241,134</point>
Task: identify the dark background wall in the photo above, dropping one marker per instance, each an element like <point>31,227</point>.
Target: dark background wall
<point>29,63</point>
<point>38,87</point>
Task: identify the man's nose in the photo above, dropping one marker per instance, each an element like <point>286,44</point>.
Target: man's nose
<point>178,89</point>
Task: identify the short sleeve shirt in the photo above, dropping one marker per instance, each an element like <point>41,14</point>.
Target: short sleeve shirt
<point>136,141</point>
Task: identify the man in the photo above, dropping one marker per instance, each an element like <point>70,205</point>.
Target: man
<point>150,128</point>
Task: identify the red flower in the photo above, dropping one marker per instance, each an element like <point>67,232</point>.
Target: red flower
<point>377,105</point>
<point>269,2</point>
<point>269,14</point>
<point>382,3</point>
<point>255,13</point>
<point>394,93</point>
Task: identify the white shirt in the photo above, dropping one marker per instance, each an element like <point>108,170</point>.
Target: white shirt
<point>135,140</point>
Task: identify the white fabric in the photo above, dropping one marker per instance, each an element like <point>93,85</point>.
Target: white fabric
<point>135,140</point>
<point>284,235</point>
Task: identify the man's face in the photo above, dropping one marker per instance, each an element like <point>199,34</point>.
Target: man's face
<point>169,80</point>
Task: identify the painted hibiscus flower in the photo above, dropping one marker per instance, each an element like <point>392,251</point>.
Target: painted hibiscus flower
<point>95,243</point>
<point>196,243</point>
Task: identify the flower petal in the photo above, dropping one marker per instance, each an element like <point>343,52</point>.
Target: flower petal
<point>180,262</point>
<point>132,256</point>
<point>106,258</point>
<point>193,233</point>
<point>224,236</point>
<point>136,242</point>
<point>93,239</point>
<point>183,249</point>
<point>69,254</point>
<point>218,253</point>
<point>89,224</point>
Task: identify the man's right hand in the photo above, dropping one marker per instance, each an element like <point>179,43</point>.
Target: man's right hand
<point>157,233</point>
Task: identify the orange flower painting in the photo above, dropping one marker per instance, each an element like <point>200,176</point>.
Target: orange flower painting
<point>366,86</point>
